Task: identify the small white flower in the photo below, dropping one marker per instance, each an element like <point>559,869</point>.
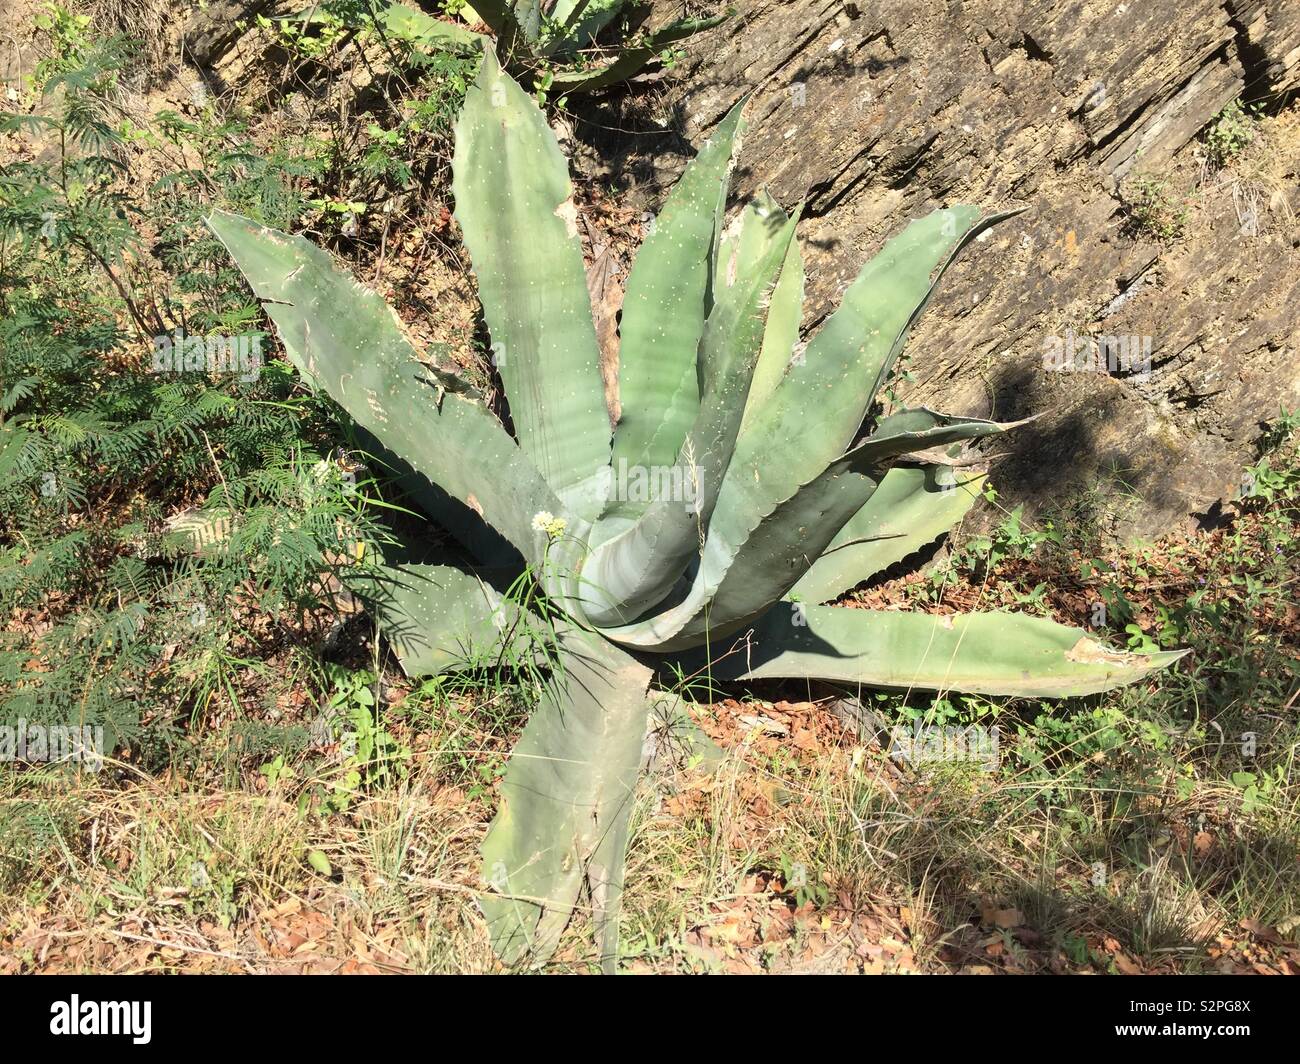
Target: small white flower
<point>547,522</point>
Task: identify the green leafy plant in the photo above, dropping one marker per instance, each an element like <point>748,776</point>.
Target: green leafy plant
<point>115,466</point>
<point>1152,211</point>
<point>558,50</point>
<point>767,496</point>
<point>1263,481</point>
<point>802,885</point>
<point>1231,132</point>
<point>372,755</point>
<point>1010,540</point>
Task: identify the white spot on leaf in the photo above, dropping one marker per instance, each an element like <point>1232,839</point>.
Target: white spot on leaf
<point>569,213</point>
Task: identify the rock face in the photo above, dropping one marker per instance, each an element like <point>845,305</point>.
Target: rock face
<point>875,113</point>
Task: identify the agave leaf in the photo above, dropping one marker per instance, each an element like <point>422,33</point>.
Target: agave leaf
<point>785,436</point>
<point>818,406</point>
<point>635,54</point>
<point>343,339</point>
<point>439,618</point>
<point>912,429</point>
<point>775,554</point>
<point>753,555</point>
<point>625,575</point>
<point>747,501</point>
<point>744,568</point>
<point>978,653</point>
<point>434,33</point>
<point>506,21</point>
<point>514,202</point>
<point>582,21</point>
<point>781,335</point>
<point>665,306</point>
<point>562,821</point>
<point>743,249</point>
<point>528,13</point>
<point>913,506</point>
<point>483,542</point>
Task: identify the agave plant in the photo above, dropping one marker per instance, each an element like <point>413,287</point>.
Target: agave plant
<point>773,487</point>
<point>548,37</point>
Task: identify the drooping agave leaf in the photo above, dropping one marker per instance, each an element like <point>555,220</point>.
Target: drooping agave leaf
<point>514,203</point>
<point>626,575</point>
<point>665,306</point>
<point>918,428</point>
<point>582,20</point>
<point>411,24</point>
<point>344,339</point>
<point>977,653</point>
<point>913,507</point>
<point>566,797</point>
<point>504,19</point>
<point>635,54</point>
<point>439,618</point>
